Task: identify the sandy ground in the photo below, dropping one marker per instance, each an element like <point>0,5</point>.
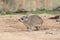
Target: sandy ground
<point>36,35</point>
<point>12,29</point>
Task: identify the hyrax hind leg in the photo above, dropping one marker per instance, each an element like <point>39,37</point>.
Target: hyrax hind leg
<point>37,28</point>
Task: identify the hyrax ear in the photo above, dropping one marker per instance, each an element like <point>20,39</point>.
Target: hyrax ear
<point>26,18</point>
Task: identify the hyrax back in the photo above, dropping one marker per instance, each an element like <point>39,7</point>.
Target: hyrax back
<point>32,21</point>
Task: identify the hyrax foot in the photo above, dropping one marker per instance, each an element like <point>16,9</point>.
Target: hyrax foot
<point>29,29</point>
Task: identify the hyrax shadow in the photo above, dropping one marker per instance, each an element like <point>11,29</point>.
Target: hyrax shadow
<point>31,21</point>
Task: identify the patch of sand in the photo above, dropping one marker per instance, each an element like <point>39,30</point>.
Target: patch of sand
<point>12,29</point>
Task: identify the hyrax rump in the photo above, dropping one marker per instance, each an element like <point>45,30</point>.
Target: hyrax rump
<point>31,21</point>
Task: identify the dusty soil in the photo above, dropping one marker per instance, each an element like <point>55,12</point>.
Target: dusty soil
<point>12,29</point>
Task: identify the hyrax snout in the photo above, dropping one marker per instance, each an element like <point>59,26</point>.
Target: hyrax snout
<point>31,21</point>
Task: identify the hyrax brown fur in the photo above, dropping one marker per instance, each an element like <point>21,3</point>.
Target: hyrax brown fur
<point>31,21</point>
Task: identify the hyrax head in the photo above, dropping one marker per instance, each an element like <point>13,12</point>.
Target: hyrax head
<point>23,19</point>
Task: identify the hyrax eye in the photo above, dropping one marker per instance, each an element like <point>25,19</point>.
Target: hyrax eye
<point>21,18</point>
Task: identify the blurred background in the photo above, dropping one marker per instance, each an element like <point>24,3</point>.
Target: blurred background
<point>34,6</point>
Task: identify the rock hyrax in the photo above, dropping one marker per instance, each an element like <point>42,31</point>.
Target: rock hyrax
<point>31,21</point>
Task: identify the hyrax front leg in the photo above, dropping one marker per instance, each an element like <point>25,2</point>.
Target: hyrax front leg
<point>29,28</point>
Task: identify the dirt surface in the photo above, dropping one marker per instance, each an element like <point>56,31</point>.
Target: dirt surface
<point>12,29</point>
